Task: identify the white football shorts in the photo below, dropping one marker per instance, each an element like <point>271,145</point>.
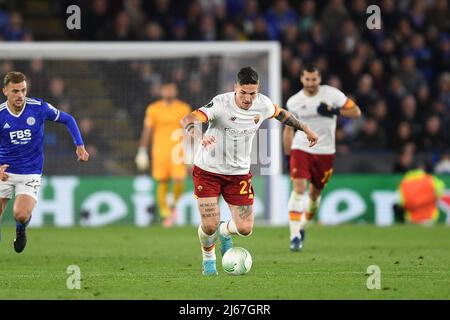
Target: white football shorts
<point>28,184</point>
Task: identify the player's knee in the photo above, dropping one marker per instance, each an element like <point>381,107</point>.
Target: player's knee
<point>245,230</point>
<point>299,188</point>
<point>314,195</point>
<point>209,228</point>
<point>21,216</point>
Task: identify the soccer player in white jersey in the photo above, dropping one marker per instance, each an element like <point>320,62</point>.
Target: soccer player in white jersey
<point>318,106</point>
<point>22,149</point>
<point>222,162</point>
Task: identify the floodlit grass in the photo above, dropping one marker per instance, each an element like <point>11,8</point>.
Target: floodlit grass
<point>124,262</point>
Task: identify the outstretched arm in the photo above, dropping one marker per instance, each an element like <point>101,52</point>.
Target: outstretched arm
<point>289,119</point>
<point>72,126</point>
<point>188,123</point>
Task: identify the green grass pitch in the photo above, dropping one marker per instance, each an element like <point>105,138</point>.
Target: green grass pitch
<point>124,262</point>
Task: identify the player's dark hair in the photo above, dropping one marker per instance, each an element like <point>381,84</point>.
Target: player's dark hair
<point>247,75</point>
<point>309,67</point>
<point>14,77</point>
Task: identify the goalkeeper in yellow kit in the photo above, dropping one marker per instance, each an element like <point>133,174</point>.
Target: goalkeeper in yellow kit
<point>162,118</point>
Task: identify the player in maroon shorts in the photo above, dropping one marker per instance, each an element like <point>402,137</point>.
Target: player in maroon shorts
<point>318,106</point>
<point>222,162</point>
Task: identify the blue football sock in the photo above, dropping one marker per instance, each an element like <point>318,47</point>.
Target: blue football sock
<point>20,225</point>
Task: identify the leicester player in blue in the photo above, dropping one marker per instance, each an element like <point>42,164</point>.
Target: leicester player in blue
<point>22,149</point>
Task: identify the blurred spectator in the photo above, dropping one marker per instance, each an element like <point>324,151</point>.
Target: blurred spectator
<point>443,165</point>
<point>133,8</point>
<point>279,17</point>
<point>58,95</point>
<point>121,30</point>
<point>444,90</point>
<point>333,16</point>
<point>153,32</point>
<point>211,7</point>
<point>342,141</point>
<point>179,30</point>
<point>37,78</point>
<point>379,112</point>
<point>402,136</point>
<point>408,112</point>
<point>389,55</point>
<point>348,38</point>
<point>235,7</point>
<point>433,138</point>
<point>440,15</point>
<point>15,31</point>
<point>365,94</point>
<point>230,32</point>
<point>421,54</point>
<point>307,16</point>
<point>410,76</point>
<point>355,69</point>
<point>4,18</point>
<point>260,33</point>
<point>423,101</point>
<point>97,20</point>
<point>442,55</point>
<point>6,66</point>
<point>372,137</point>
<point>248,17</point>
<point>405,159</point>
<point>334,81</point>
<point>417,16</point>
<point>378,74</point>
<point>390,14</point>
<point>208,30</point>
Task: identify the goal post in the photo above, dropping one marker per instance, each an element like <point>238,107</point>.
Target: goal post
<point>87,65</point>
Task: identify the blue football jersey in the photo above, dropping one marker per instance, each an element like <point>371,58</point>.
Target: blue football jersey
<point>22,136</point>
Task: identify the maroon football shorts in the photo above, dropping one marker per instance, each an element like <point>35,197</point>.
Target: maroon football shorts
<point>316,168</point>
<point>236,189</point>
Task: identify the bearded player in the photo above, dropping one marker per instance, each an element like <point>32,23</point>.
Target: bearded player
<point>318,106</point>
<point>22,122</point>
<point>222,161</point>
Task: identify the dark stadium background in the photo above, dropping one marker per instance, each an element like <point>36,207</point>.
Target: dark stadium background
<point>399,75</point>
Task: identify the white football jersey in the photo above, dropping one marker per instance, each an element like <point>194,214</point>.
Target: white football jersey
<point>234,129</point>
<point>305,109</point>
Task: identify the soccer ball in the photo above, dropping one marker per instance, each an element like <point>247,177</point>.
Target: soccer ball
<point>237,261</point>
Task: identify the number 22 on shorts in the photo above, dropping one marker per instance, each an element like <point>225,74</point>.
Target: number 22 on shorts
<point>246,188</point>
<point>327,176</point>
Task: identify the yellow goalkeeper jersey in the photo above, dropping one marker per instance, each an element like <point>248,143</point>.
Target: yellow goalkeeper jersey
<point>163,119</point>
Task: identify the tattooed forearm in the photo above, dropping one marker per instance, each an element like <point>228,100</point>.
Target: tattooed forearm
<point>290,120</point>
<point>244,211</point>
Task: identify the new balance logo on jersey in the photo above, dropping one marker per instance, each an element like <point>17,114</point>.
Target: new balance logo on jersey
<point>6,126</point>
<point>20,136</point>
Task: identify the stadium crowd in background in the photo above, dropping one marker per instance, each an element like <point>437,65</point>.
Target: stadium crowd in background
<point>400,74</point>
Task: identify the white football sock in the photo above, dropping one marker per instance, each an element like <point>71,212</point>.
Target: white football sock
<point>228,228</point>
<point>295,207</point>
<point>313,207</point>
<point>207,243</point>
